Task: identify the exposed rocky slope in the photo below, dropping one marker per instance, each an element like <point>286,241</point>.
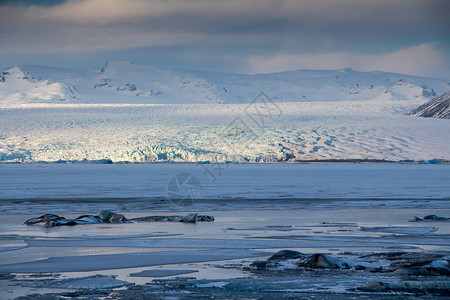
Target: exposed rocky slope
<point>439,107</point>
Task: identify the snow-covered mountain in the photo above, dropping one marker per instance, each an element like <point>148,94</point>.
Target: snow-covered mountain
<point>126,82</point>
<point>439,107</point>
<point>315,115</point>
<point>18,87</point>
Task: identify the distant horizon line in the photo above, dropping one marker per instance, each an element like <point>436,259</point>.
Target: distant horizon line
<point>6,68</point>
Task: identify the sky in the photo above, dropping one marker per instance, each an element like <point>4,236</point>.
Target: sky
<point>242,36</point>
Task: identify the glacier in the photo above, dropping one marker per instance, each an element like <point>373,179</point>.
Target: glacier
<point>302,131</point>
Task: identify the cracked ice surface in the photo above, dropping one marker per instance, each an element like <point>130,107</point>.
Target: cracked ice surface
<point>221,132</point>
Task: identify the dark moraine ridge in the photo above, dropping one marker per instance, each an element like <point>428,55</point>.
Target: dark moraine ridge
<point>439,107</point>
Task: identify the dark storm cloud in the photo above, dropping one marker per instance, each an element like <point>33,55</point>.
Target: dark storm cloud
<point>219,28</point>
<point>31,2</point>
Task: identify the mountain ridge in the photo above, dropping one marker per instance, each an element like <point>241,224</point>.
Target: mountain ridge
<point>128,82</point>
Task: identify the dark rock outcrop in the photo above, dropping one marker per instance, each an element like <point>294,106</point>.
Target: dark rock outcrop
<point>286,254</point>
<point>429,218</point>
<point>190,218</point>
<point>439,107</point>
<point>107,216</point>
<point>323,261</point>
<point>398,263</point>
<point>51,220</point>
<point>300,260</point>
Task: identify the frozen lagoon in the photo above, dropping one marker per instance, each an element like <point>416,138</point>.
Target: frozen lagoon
<point>341,209</point>
<point>148,184</point>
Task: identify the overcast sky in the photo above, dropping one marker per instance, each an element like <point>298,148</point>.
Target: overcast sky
<point>245,36</point>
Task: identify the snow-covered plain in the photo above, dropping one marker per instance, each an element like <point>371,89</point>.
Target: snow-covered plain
<point>258,132</point>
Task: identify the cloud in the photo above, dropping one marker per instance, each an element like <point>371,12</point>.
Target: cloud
<point>231,28</point>
<point>294,11</point>
<point>294,23</point>
<point>422,60</point>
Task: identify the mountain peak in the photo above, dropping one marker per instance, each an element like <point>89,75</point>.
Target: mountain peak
<point>15,73</point>
<point>117,64</point>
<point>345,70</point>
<point>18,87</point>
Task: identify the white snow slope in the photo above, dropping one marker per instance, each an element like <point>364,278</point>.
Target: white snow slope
<point>126,82</point>
<point>17,87</point>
